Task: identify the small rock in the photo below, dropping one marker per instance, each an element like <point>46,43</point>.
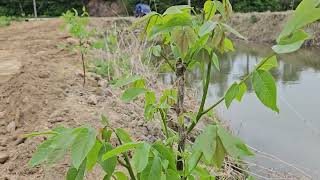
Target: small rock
<point>56,120</point>
<point>11,127</point>
<point>108,92</point>
<point>98,91</point>
<point>3,142</point>
<point>3,158</point>
<point>44,75</point>
<point>102,83</point>
<point>20,140</point>
<point>2,114</point>
<point>93,100</point>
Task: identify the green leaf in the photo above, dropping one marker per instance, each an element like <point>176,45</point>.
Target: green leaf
<point>231,94</point>
<point>283,49</point>
<point>183,38</point>
<point>209,9</point>
<point>106,134</point>
<point>228,45</point>
<point>242,90</point>
<point>123,135</point>
<point>93,155</point>
<point>233,145</point>
<point>54,148</point>
<point>306,13</point>
<point>75,174</point>
<point>166,153</point>
<point>172,175</point>
<point>104,120</point>
<point>140,157</point>
<point>265,89</point>
<point>110,164</point>
<point>171,22</point>
<point>120,176</point>
<point>120,149</point>
<point>126,81</point>
<point>193,160</point>
<point>215,60</point>
<point>177,9</point>
<point>233,31</point>
<point>206,142</point>
<point>153,170</point>
<point>85,140</point>
<point>207,27</point>
<point>149,105</point>
<point>219,154</point>
<point>132,93</point>
<point>270,63</point>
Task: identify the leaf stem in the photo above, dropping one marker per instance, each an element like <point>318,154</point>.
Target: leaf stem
<point>164,121</point>
<point>168,62</point>
<point>223,98</point>
<point>126,159</point>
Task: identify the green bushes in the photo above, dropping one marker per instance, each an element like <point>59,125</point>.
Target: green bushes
<point>4,21</point>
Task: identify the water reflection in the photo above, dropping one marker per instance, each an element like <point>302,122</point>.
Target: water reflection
<point>293,135</point>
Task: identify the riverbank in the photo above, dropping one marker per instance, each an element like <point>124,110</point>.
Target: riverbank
<point>264,27</point>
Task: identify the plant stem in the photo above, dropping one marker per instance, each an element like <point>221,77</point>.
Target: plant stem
<point>203,112</point>
<point>164,121</point>
<point>168,62</point>
<point>83,64</point>
<point>205,91</point>
<point>180,73</point>
<point>126,159</point>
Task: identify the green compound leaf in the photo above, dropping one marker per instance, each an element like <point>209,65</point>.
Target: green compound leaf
<point>153,170</point>
<point>242,91</point>
<point>120,176</point>
<point>231,94</point>
<point>206,142</point>
<point>93,155</point>
<point>54,148</point>
<point>166,153</point>
<point>123,135</point>
<point>83,143</point>
<point>233,145</point>
<point>132,93</point>
<point>265,89</point>
<point>110,164</point>
<point>270,63</point>
<point>206,28</point>
<point>126,81</point>
<point>76,174</point>
<point>209,9</point>
<point>120,149</point>
<point>141,157</point>
<point>215,60</point>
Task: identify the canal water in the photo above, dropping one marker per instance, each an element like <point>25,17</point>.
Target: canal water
<point>290,138</point>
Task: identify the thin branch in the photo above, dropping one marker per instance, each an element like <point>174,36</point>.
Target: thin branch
<point>168,61</point>
<point>164,121</point>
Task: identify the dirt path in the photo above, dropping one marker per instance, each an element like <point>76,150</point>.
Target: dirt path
<point>47,92</point>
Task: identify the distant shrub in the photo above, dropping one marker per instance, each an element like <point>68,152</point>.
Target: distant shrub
<point>253,19</point>
<point>5,21</point>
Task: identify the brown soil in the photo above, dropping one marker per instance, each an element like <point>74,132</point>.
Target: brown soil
<point>47,92</point>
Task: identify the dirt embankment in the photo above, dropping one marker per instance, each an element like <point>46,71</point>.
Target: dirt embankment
<point>47,92</point>
<point>266,26</point>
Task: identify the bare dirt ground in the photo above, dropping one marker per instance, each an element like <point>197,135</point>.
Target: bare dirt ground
<point>47,92</point>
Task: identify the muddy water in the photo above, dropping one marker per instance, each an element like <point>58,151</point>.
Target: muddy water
<point>8,67</point>
<point>293,135</point>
